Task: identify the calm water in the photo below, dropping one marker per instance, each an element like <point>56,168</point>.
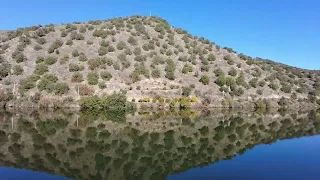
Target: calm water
<point>210,145</point>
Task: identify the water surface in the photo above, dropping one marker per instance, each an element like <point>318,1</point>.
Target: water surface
<point>162,145</point>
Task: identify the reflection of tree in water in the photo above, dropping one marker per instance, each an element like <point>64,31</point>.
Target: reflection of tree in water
<point>103,149</point>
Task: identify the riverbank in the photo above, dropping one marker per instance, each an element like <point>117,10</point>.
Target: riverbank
<point>162,104</point>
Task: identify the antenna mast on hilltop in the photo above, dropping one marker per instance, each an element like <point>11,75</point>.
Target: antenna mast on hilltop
<point>150,14</point>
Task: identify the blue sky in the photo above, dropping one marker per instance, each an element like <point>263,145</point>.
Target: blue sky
<point>286,31</point>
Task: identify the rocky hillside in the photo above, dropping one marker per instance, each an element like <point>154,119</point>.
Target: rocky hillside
<point>143,56</point>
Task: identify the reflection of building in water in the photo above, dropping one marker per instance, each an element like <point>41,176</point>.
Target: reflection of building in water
<point>141,147</point>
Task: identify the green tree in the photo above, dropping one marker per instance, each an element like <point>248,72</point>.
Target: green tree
<point>221,81</point>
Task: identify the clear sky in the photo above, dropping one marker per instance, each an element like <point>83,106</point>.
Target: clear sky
<point>286,31</point>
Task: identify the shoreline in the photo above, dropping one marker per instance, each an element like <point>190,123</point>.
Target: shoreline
<point>150,106</point>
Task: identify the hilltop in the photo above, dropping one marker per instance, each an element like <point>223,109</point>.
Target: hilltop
<point>145,58</point>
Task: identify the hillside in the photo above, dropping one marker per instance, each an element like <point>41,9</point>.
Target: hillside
<point>145,57</point>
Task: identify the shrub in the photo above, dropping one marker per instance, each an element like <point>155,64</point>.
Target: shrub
<point>241,79</point>
<point>76,36</point>
<point>294,96</point>
<point>104,43</point>
<point>253,82</point>
<point>50,60</point>
<point>50,77</point>
<point>61,88</point>
<point>140,58</point>
<point>211,57</point>
<point>20,57</point>
<point>126,64</point>
<point>37,47</point>
<point>227,57</point>
<point>64,34</point>
<point>94,63</point>
<point>156,73</point>
<point>205,68</point>
<point>238,92</point>
<point>122,57</point>
<point>45,84</point>
<point>41,69</point>
<point>259,91</point>
<point>273,86</point>
<point>23,40</point>
<point>89,42</point>
<point>77,77</point>
<point>75,53</point>
<point>187,68</point>
<point>186,91</point>
<point>283,101</point>
<point>220,81</point>
<point>158,60</point>
<point>4,70</point>
<point>230,62</point>
<point>41,41</point>
<point>84,90</point>
<point>204,79</point>
<point>286,88</point>
<point>17,70</point>
<point>132,41</point>
<point>262,83</point>
<point>250,61</point>
<point>193,99</point>
<point>121,45</point>
<point>260,104</point>
<point>55,45</point>
<point>92,78</point>
<point>116,66</point>
<point>82,29</point>
<point>102,51</point>
<point>232,72</point>
<point>102,85</point>
<point>137,51</point>
<point>128,51</point>
<point>111,48</point>
<point>219,72</point>
<point>105,75</point>
<point>169,52</point>
<point>184,103</point>
<point>183,58</point>
<point>27,84</point>
<point>231,83</point>
<point>64,60</point>
<point>242,56</point>
<point>69,42</point>
<point>145,47</point>
<point>144,100</point>
<point>170,68</point>
<point>74,67</point>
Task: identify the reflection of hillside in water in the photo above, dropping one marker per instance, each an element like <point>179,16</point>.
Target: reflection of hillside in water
<point>145,146</point>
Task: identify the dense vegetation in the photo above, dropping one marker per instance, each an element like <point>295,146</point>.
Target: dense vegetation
<point>145,57</point>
